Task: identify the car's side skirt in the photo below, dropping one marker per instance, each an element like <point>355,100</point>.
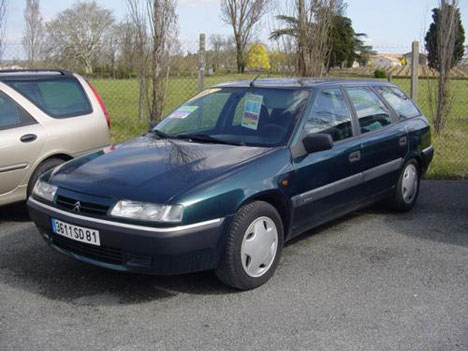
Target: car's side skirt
<point>346,183</point>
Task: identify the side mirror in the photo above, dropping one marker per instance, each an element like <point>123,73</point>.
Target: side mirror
<point>317,142</point>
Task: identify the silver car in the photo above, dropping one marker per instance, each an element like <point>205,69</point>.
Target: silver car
<point>46,118</point>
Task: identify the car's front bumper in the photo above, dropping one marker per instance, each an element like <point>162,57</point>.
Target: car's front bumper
<point>136,248</point>
<point>427,155</point>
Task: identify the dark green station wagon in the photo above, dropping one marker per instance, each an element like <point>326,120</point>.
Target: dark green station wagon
<point>232,174</point>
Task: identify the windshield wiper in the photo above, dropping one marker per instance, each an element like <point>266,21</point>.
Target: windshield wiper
<point>206,138</point>
<point>161,134</point>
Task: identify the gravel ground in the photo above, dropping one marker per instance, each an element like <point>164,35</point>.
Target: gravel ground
<point>373,280</point>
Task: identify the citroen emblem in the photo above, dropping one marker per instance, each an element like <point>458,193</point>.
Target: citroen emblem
<point>76,207</point>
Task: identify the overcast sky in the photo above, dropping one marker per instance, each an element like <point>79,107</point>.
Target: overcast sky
<point>390,24</point>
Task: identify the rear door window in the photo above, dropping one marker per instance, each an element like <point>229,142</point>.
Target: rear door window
<point>371,111</point>
<point>402,105</point>
<point>11,115</point>
<point>58,97</point>
<point>330,115</point>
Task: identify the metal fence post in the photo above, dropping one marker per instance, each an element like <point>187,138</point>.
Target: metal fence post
<point>201,63</point>
<point>414,70</point>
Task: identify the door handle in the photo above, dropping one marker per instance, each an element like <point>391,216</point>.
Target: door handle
<point>355,156</point>
<point>403,141</point>
<point>27,138</point>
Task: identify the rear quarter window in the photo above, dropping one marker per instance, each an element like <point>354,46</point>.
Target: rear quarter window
<point>58,97</point>
<point>400,103</point>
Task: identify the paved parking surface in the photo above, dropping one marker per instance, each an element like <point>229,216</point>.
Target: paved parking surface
<point>373,280</point>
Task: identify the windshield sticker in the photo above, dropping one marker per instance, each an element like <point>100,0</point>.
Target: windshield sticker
<point>183,112</point>
<point>252,108</point>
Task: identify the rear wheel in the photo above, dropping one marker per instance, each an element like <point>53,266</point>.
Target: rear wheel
<point>407,189</point>
<point>41,169</point>
<point>253,248</point>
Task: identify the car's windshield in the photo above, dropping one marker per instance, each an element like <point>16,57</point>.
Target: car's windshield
<point>243,116</point>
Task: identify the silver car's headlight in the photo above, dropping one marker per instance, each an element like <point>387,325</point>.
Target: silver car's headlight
<point>148,212</point>
<point>44,190</point>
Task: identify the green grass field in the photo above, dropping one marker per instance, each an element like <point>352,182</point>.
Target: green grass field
<point>451,157</point>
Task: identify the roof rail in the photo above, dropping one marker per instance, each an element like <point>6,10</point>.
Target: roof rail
<point>62,72</point>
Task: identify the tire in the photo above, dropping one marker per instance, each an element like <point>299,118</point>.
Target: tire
<point>253,227</point>
<point>407,188</point>
<point>41,169</point>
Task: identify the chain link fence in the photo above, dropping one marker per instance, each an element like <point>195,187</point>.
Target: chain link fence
<point>120,90</point>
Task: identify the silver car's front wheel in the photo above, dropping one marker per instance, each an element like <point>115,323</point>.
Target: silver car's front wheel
<point>259,246</point>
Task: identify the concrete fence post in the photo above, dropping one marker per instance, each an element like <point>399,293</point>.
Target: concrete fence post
<point>201,62</point>
<point>414,70</point>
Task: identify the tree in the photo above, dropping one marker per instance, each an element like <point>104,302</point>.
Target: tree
<point>362,51</point>
<point>34,32</point>
<point>432,35</point>
<point>310,25</point>
<point>163,26</point>
<point>217,42</point>
<point>3,5</point>
<point>347,46</point>
<point>257,57</point>
<point>138,18</point>
<point>77,33</point>
<point>342,42</point>
<point>243,15</point>
<point>444,43</point>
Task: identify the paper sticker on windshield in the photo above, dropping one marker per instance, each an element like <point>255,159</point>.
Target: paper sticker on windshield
<point>252,108</point>
<point>183,112</point>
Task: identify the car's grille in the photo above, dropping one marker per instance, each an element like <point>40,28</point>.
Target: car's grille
<point>101,253</point>
<point>85,207</point>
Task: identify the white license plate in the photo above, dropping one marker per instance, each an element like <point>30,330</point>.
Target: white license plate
<point>74,232</point>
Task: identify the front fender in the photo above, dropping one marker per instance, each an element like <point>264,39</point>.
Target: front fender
<point>224,195</point>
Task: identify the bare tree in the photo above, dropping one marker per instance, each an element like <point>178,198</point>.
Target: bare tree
<point>243,15</point>
<point>163,25</point>
<point>77,33</point>
<point>34,32</point>
<point>137,14</point>
<point>310,24</point>
<point>127,45</point>
<point>3,6</point>
<point>446,38</point>
<point>217,42</point>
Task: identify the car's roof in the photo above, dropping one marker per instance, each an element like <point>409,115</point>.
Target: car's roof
<point>300,82</point>
<point>7,74</point>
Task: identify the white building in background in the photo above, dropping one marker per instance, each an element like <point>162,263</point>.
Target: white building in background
<point>382,60</point>
<point>6,66</point>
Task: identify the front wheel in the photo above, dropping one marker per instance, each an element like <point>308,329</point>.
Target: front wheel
<point>253,248</point>
<point>407,188</point>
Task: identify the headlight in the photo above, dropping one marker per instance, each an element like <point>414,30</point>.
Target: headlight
<point>148,212</point>
<point>44,190</point>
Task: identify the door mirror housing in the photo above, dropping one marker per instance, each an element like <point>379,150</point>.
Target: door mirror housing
<point>317,142</point>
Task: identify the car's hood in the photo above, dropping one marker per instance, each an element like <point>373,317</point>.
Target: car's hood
<point>149,169</point>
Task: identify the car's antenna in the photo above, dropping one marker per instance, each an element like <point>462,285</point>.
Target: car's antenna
<point>253,80</point>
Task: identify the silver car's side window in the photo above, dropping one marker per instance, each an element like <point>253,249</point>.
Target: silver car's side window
<point>11,115</point>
